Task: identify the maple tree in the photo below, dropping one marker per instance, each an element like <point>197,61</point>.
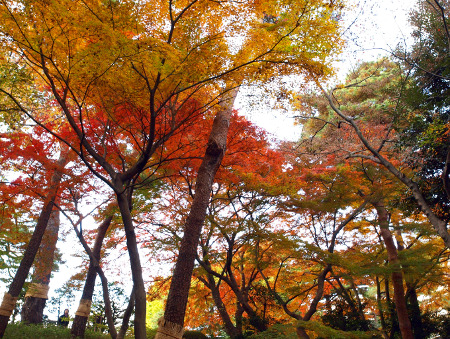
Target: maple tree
<point>241,243</point>
<point>42,183</point>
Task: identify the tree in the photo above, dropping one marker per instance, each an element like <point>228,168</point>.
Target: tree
<point>15,287</point>
<point>425,132</point>
<point>374,114</point>
<point>378,151</point>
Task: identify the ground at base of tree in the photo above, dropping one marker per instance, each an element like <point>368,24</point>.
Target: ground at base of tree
<point>21,331</point>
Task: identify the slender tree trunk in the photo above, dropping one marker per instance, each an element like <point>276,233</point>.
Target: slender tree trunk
<point>397,276</point>
<point>229,327</point>
<point>136,268</point>
<point>416,318</point>
<point>126,317</point>
<point>106,299</point>
<point>360,308</point>
<point>10,298</point>
<point>36,297</point>
<point>391,310</point>
<point>238,316</point>
<point>82,314</point>
<point>301,332</point>
<point>380,309</point>
<point>171,325</point>
<point>242,296</point>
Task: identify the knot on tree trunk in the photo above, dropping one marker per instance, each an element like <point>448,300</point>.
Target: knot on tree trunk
<point>214,148</point>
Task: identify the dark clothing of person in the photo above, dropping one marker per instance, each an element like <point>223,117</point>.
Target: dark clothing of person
<point>63,320</point>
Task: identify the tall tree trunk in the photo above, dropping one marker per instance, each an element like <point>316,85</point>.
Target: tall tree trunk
<point>82,314</point>
<point>10,298</point>
<point>136,268</point>
<point>397,275</point>
<point>380,309</point>
<point>36,297</point>
<point>171,325</point>
<point>416,318</point>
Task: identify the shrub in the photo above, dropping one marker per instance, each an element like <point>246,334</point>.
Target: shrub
<point>194,335</point>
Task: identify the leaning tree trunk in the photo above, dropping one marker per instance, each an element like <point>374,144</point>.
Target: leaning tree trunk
<point>233,331</point>
<point>397,275</point>
<point>171,325</point>
<point>36,296</point>
<point>10,298</point>
<point>82,314</point>
<point>300,329</point>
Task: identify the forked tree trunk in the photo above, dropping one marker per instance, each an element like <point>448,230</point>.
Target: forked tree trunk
<point>171,325</point>
<point>397,275</point>
<point>106,299</point>
<point>36,296</point>
<point>82,314</point>
<point>10,298</point>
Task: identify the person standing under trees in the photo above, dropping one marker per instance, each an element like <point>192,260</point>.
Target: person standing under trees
<point>64,319</point>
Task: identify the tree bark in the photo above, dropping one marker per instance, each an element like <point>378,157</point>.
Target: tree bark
<point>81,318</point>
<point>179,288</point>
<point>10,298</point>
<point>106,299</point>
<point>136,268</point>
<point>36,297</point>
<point>301,332</point>
<point>397,275</point>
<point>416,318</point>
